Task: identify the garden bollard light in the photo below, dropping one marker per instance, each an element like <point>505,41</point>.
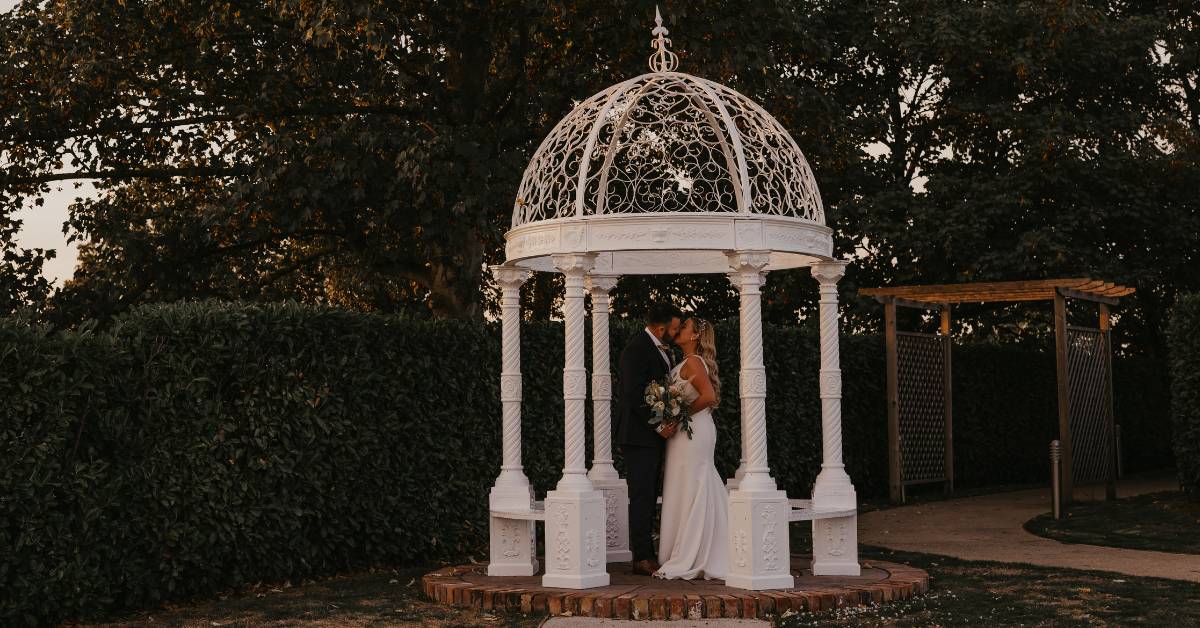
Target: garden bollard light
<point>1055,479</point>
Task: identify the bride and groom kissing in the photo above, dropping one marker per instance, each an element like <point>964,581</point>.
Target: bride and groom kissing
<point>693,527</point>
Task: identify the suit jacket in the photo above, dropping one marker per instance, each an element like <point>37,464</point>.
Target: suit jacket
<point>641,362</point>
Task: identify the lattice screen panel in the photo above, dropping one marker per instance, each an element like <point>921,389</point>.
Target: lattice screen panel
<point>921,387</point>
<point>1087,376</point>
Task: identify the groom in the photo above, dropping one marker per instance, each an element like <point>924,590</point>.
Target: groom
<point>647,356</point>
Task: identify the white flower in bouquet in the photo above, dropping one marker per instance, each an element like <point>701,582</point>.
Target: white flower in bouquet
<point>666,405</point>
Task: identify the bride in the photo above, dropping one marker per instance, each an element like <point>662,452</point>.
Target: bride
<point>694,532</point>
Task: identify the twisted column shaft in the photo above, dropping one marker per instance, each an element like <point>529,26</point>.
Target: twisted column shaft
<point>828,274</point>
<point>602,464</point>
<point>510,280</point>
<point>574,267</point>
<point>753,378</point>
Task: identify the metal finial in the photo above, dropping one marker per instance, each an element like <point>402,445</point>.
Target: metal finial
<point>662,60</point>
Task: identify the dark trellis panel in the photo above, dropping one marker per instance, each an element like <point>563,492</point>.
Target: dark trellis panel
<point>922,407</point>
<point>1088,403</point>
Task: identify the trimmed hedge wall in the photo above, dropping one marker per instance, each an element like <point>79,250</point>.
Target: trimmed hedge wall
<point>1184,338</point>
<point>195,447</point>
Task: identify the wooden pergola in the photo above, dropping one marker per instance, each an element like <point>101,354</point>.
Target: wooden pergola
<point>919,388</point>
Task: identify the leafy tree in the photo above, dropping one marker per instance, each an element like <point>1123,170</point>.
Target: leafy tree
<point>366,154</point>
<point>22,285</point>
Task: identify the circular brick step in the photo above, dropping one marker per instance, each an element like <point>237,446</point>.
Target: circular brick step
<point>640,597</point>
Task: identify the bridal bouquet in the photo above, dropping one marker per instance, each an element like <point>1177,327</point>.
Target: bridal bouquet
<point>667,406</point>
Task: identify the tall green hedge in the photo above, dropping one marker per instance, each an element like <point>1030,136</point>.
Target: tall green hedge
<point>1184,338</point>
<point>196,447</point>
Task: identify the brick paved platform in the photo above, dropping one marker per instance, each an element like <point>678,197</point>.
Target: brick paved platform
<point>641,597</point>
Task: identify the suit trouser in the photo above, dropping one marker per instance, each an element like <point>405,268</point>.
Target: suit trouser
<point>642,467</point>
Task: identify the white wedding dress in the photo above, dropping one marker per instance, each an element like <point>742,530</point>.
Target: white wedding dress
<point>694,532</point>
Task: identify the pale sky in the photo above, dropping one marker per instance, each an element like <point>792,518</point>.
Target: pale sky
<point>42,226</point>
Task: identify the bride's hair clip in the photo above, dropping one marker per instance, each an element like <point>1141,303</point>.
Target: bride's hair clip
<point>701,325</point>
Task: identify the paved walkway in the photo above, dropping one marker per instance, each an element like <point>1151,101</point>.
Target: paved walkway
<point>989,527</point>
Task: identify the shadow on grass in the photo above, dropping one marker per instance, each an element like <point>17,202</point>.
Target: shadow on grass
<point>963,593</point>
<point>381,597</point>
<point>980,593</point>
<point>1163,522</point>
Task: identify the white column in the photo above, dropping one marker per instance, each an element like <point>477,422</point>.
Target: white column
<point>758,511</point>
<point>575,517</point>
<point>732,483</point>
<point>835,541</point>
<point>512,540</point>
<point>603,474</point>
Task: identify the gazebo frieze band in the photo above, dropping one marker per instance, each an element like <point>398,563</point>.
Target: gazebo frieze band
<point>666,173</point>
<point>646,244</point>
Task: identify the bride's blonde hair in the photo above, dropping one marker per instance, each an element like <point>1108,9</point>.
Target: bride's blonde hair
<point>707,348</point>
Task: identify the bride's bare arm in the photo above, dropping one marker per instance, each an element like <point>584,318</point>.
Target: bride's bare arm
<point>693,371</point>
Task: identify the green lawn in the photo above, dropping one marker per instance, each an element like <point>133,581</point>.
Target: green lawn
<point>1165,522</point>
<point>963,593</point>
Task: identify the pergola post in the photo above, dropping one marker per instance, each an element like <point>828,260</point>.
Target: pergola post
<point>575,518</point>
<point>948,395</point>
<point>835,540</point>
<point>1110,487</point>
<point>1064,396</point>
<point>512,541</point>
<point>758,511</point>
<point>603,474</point>
<point>895,482</point>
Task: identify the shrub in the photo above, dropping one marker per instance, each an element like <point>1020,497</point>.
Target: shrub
<point>1184,355</point>
<point>197,447</point>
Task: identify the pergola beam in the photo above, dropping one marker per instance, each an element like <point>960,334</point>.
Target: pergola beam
<point>902,302</point>
<point>935,296</point>
<point>1087,296</point>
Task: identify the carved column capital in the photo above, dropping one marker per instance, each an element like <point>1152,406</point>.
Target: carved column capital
<point>828,273</point>
<point>602,284</point>
<point>574,265</point>
<point>748,261</point>
<point>510,277</point>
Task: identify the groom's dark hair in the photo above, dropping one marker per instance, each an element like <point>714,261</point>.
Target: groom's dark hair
<point>662,313</point>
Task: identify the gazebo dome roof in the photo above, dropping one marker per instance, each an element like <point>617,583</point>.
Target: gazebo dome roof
<point>667,151</point>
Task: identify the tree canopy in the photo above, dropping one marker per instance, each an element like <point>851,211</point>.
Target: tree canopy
<point>366,154</point>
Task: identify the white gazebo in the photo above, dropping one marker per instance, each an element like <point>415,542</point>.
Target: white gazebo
<point>666,173</point>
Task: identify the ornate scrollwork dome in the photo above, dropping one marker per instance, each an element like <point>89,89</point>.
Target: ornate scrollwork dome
<point>666,145</point>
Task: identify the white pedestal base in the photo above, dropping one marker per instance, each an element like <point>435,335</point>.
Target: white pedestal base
<point>576,555</point>
<point>835,547</point>
<point>616,520</point>
<point>759,550</point>
<point>835,541</point>
<point>513,546</point>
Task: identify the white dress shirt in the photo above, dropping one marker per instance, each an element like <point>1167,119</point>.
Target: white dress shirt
<point>662,348</point>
